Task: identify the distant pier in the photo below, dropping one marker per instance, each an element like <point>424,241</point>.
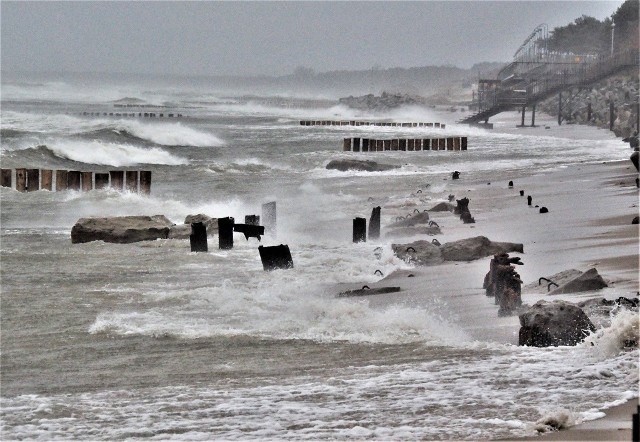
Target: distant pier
<point>367,123</point>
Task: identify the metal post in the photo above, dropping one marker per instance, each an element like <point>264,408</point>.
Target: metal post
<point>533,116</point>
<point>560,108</point>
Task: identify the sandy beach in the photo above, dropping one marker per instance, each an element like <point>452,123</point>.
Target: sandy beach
<point>591,207</point>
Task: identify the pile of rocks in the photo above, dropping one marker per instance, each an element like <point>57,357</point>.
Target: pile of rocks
<point>382,103</point>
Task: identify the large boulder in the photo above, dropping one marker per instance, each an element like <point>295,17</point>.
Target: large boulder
<point>420,252</point>
<point>361,165</point>
<point>180,231</point>
<point>443,207</point>
<point>547,324</point>
<point>477,247</point>
<point>210,223</point>
<point>586,282</point>
<point>121,229</point>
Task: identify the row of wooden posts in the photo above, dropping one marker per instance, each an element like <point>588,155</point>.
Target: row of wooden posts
<point>367,123</point>
<point>411,144</point>
<point>30,180</point>
<point>130,114</point>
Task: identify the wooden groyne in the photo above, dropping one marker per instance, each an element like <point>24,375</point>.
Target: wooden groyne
<point>367,123</point>
<point>132,114</point>
<point>411,144</point>
<point>30,180</point>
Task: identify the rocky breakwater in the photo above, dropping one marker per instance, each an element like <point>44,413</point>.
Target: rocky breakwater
<point>623,90</point>
<point>383,103</point>
<point>426,253</point>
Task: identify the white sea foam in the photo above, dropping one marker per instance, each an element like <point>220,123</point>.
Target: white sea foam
<point>169,134</point>
<point>112,154</point>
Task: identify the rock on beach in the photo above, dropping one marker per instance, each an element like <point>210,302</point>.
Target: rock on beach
<point>121,229</point>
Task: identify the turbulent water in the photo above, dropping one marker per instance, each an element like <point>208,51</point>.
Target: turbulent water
<point>148,340</point>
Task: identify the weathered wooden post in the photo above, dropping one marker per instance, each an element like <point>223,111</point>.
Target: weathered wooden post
<point>356,145</point>
<point>47,180</point>
<point>33,180</point>
<point>145,182</point>
<point>87,181</point>
<point>463,143</point>
<point>436,124</point>
<point>365,145</point>
<point>523,112</point>
<point>379,145</point>
<point>410,144</point>
<point>418,143</point>
<point>198,238</point>
<point>612,116</point>
<point>73,180</point>
<point>533,116</point>
<point>560,108</point>
<point>426,144</point>
<point>117,179</point>
<point>374,223</point>
<point>225,233</point>
<point>6,177</point>
<point>346,147</point>
<point>275,257</point>
<point>395,144</point>
<point>449,143</point>
<point>131,177</point>
<point>403,144</point>
<point>62,180</point>
<point>102,180</point>
<point>456,143</point>
<point>21,180</point>
<point>442,144</point>
<point>359,230</point>
<point>269,218</point>
<point>252,220</point>
<point>387,144</point>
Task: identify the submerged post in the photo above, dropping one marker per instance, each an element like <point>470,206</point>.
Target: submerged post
<point>359,230</point>
<point>560,108</point>
<point>225,233</point>
<point>533,116</point>
<point>374,223</point>
<point>612,116</point>
<point>132,180</point>
<point>145,182</point>
<point>198,238</point>
<point>73,180</point>
<point>102,180</point>
<point>117,179</point>
<point>275,257</point>
<point>346,145</point>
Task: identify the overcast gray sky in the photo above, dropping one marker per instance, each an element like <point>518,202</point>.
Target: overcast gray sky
<point>273,38</point>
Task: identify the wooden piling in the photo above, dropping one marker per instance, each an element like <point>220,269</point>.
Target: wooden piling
<point>456,143</point>
<point>275,257</point>
<point>87,181</point>
<point>463,143</point>
<point>365,145</point>
<point>21,180</point>
<point>5,177</point>
<point>47,180</point>
<point>33,180</point>
<point>410,145</point>
<point>450,143</point>
<point>387,144</point>
<point>359,230</point>
<point>612,116</point>
<point>426,144</point>
<point>379,145</point>
<point>436,124</point>
<point>131,177</point>
<point>102,180</point>
<point>346,146</point>
<point>418,143</point>
<point>73,180</point>
<point>442,144</point>
<point>117,179</point>
<point>402,145</point>
<point>62,180</point>
<point>395,144</point>
<point>374,223</point>
<point>356,145</point>
<point>198,238</point>
<point>145,182</point>
<point>252,220</point>
<point>225,233</point>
